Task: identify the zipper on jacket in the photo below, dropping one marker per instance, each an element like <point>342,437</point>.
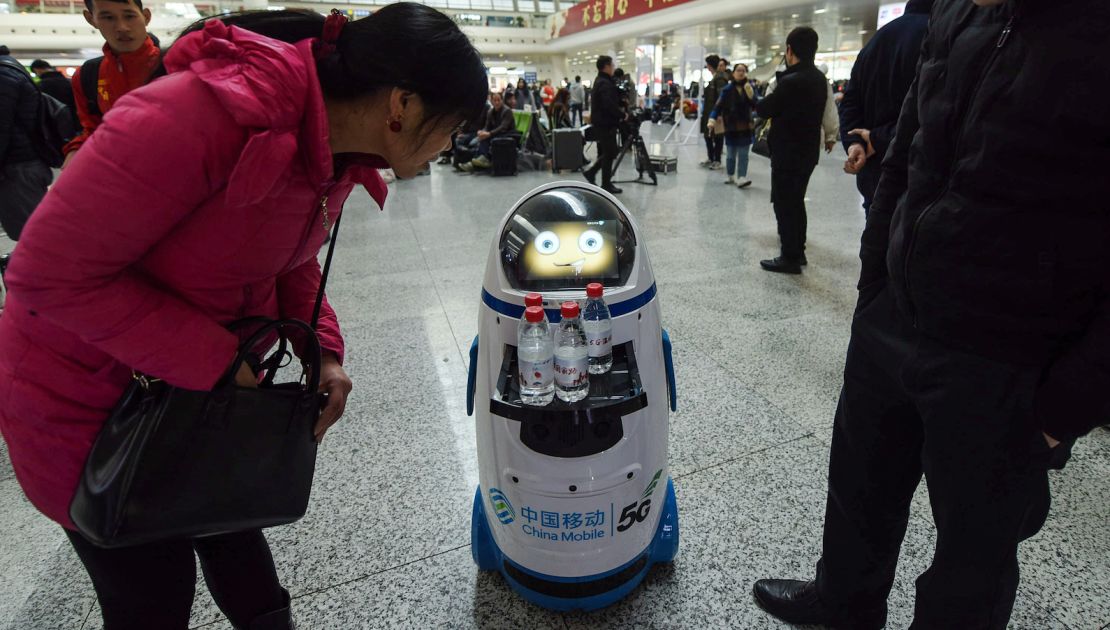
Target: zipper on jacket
<point>319,211</point>
<point>1002,39</point>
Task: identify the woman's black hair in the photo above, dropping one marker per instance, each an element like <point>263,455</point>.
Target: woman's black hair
<point>404,45</point>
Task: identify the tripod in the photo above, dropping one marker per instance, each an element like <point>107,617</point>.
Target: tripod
<point>635,142</point>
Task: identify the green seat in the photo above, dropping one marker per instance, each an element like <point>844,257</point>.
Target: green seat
<point>523,124</point>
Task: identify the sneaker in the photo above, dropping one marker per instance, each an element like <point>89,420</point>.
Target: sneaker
<point>466,167</point>
<point>480,162</point>
<point>743,182</point>
<point>715,166</point>
<point>705,164</point>
<point>731,180</point>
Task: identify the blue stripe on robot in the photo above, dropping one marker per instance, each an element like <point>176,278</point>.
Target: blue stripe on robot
<point>501,506</point>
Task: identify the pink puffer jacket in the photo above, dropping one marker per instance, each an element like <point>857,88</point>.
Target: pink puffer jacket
<point>197,202</point>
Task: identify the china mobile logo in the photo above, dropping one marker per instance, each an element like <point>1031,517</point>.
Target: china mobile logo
<point>501,506</point>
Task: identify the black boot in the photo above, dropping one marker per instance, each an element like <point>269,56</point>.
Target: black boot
<point>590,175</point>
<point>796,602</point>
<point>611,189</point>
<point>280,619</point>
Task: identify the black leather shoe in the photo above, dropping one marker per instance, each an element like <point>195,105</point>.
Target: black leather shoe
<point>4,264</point>
<point>796,602</point>
<point>611,189</point>
<point>590,177</point>
<point>802,261</point>
<point>781,265</point>
<point>280,619</point>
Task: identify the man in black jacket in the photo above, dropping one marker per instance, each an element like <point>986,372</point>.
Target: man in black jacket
<point>980,345</point>
<point>24,175</point>
<point>57,85</point>
<point>873,98</point>
<point>499,122</point>
<point>796,109</point>
<point>605,117</point>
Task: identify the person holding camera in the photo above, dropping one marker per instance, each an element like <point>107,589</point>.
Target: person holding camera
<point>605,117</point>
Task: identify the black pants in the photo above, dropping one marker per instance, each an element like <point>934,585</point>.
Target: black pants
<point>152,586</point>
<point>911,406</point>
<point>576,114</point>
<point>788,196</point>
<point>867,182</point>
<point>714,145</point>
<point>607,150</point>
<point>22,187</point>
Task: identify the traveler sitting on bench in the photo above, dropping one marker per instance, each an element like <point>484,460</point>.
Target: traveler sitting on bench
<point>499,122</point>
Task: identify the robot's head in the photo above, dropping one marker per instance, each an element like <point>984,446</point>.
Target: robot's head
<point>566,238</point>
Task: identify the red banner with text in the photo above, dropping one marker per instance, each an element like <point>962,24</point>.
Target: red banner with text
<point>594,13</point>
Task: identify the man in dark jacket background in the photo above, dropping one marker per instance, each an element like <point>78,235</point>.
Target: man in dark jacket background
<point>24,175</point>
<point>873,98</point>
<point>980,345</point>
<point>796,109</point>
<point>714,143</point>
<point>605,117</point>
<point>57,85</point>
<point>499,122</point>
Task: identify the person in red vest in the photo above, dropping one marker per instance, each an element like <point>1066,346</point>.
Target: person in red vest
<point>130,58</point>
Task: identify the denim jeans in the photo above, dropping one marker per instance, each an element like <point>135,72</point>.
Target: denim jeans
<point>737,161</point>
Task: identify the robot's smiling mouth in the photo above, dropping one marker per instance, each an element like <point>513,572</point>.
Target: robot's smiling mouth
<point>576,264</point>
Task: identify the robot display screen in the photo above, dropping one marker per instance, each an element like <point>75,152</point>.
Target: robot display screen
<point>567,238</point>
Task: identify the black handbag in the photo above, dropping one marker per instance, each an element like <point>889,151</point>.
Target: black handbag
<point>761,145</point>
<point>175,463</point>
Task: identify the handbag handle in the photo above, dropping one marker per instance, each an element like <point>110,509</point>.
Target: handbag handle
<point>311,362</point>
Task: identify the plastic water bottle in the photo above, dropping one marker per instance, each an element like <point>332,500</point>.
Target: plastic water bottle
<point>535,359</point>
<point>572,373</point>
<point>532,299</point>
<point>599,329</point>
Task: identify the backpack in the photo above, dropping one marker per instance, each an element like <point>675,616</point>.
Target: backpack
<point>90,74</point>
<point>53,123</point>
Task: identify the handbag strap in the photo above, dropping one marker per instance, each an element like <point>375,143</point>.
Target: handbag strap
<point>325,272</point>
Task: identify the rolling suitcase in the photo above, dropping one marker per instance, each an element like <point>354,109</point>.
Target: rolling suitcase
<point>566,154</point>
<point>503,156</point>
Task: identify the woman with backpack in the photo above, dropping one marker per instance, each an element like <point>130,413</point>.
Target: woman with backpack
<point>205,198</point>
<point>733,112</point>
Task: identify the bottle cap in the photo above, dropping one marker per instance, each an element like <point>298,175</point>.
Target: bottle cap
<point>594,289</point>
<point>533,299</point>
<point>533,314</point>
<point>570,309</point>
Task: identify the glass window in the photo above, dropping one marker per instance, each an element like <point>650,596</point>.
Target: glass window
<point>546,7</point>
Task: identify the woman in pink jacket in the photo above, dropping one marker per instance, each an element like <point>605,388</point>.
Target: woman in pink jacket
<point>205,197</point>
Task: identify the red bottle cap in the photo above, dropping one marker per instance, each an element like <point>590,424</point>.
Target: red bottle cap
<point>594,289</point>
<point>533,299</point>
<point>570,309</point>
<point>534,314</point>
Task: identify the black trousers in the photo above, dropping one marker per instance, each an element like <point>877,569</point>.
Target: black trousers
<point>576,114</point>
<point>867,182</point>
<point>714,145</point>
<point>911,406</point>
<point>152,586</point>
<point>607,150</point>
<point>788,196</point>
<point>22,187</point>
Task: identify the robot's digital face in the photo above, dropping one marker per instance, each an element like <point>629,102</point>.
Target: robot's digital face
<point>566,238</point>
<point>572,250</point>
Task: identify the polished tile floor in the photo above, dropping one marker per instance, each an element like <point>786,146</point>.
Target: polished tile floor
<point>758,356</point>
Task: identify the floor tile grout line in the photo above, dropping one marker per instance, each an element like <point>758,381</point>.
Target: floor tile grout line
<point>744,456</point>
<point>442,306</point>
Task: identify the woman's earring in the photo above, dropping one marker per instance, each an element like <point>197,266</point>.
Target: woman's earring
<point>395,126</point>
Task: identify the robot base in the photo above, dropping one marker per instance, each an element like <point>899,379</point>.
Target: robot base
<point>579,593</point>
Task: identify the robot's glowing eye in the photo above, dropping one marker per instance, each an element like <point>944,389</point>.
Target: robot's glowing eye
<point>547,243</point>
<point>590,242</point>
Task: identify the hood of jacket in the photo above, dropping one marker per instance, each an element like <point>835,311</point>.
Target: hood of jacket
<point>271,87</point>
<point>919,6</point>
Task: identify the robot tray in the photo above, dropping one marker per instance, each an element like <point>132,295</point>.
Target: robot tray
<point>579,429</point>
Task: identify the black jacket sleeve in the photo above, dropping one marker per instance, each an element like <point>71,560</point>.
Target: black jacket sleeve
<point>774,103</point>
<point>9,107</point>
<point>851,106</point>
<point>500,123</point>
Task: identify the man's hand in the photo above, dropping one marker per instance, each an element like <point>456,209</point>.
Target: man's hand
<point>711,123</point>
<point>336,384</point>
<point>483,135</point>
<point>865,134</point>
<point>829,146</point>
<point>857,159</point>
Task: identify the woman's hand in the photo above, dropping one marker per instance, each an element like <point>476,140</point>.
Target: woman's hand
<point>245,377</point>
<point>336,384</point>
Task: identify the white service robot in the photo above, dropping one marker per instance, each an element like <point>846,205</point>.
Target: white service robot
<point>575,502</point>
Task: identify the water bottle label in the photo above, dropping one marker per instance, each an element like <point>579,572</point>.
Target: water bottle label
<point>572,372</point>
<point>536,374</point>
<point>599,339</point>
